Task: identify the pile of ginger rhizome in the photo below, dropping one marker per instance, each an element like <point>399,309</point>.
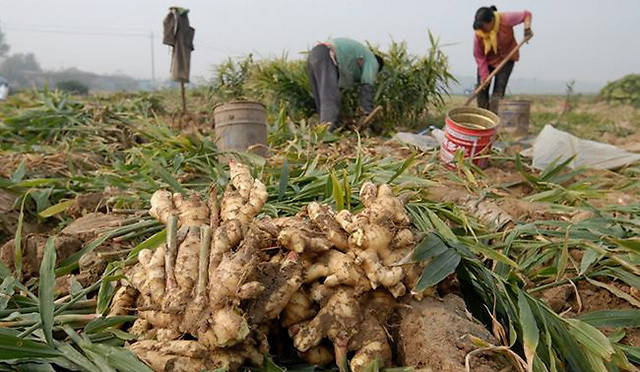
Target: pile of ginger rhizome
<point>228,288</point>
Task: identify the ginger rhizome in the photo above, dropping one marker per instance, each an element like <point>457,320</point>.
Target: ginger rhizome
<point>226,278</point>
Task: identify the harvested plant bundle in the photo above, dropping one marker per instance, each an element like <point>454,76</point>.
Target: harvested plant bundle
<point>225,280</point>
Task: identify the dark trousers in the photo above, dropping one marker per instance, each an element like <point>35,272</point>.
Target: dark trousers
<point>499,87</point>
<point>323,78</point>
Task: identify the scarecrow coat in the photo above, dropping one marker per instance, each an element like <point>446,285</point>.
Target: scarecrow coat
<point>179,35</point>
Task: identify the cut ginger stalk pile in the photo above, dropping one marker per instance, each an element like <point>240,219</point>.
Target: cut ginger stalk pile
<point>323,281</point>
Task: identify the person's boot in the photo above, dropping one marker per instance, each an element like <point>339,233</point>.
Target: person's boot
<point>334,126</point>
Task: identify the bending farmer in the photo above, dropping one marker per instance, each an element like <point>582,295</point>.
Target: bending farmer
<point>493,41</point>
<point>341,63</point>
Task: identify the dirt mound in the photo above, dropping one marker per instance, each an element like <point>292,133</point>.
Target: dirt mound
<point>523,210</point>
<point>92,225</point>
<point>7,201</point>
<point>432,336</point>
<point>69,241</point>
<point>33,251</point>
<point>9,215</point>
<point>563,299</point>
<point>88,203</point>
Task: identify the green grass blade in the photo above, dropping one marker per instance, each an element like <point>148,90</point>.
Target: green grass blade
<point>77,358</point>
<point>358,167</point>
<point>18,175</point>
<point>563,260</point>
<point>4,271</point>
<point>69,264</point>
<point>552,170</point>
<point>167,177</point>
<point>119,358</point>
<point>631,244</point>
<point>18,239</point>
<point>438,269</point>
<point>13,347</point>
<point>56,208</point>
<point>493,254</point>
<point>7,289</point>
<point>34,367</point>
<point>589,257</point>
<point>105,292</point>
<point>632,352</point>
<point>429,247</point>
<point>102,363</point>
<point>627,318</point>
<point>284,180</point>
<point>152,242</point>
<point>337,192</point>
<point>101,324</point>
<point>616,291</point>
<point>625,276</point>
<point>270,366</point>
<point>530,332</point>
<point>45,289</point>
<point>346,187</point>
<point>441,227</point>
<point>590,338</point>
<point>406,164</point>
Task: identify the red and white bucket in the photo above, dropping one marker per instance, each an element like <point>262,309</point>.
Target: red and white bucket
<point>471,130</point>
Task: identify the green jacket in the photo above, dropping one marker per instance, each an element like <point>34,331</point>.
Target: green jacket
<point>356,62</point>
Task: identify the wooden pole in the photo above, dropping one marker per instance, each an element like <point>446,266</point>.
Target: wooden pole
<point>184,99</point>
<point>494,72</point>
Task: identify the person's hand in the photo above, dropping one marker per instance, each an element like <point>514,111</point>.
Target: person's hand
<point>528,34</point>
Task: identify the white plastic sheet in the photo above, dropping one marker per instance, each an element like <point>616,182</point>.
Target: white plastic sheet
<point>422,142</point>
<point>553,144</point>
<point>4,92</point>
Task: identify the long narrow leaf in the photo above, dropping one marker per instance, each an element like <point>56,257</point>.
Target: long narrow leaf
<point>530,332</point>
<point>429,247</point>
<point>21,170</point>
<point>122,359</point>
<point>45,289</point>
<point>346,187</point>
<point>284,180</point>
<point>77,358</point>
<point>441,227</point>
<point>591,338</point>
<point>13,347</point>
<point>18,239</point>
<point>438,269</point>
<point>152,242</point>
<point>406,164</point>
<point>56,208</point>
<point>167,177</point>
<point>102,324</point>
<point>552,169</point>
<point>627,318</point>
<point>338,195</point>
<point>7,288</point>
<point>616,291</point>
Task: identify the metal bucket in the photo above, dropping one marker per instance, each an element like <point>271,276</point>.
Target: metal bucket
<point>514,116</point>
<point>241,126</point>
<point>471,130</point>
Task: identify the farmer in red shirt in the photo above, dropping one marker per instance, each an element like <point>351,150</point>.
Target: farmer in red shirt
<point>493,41</point>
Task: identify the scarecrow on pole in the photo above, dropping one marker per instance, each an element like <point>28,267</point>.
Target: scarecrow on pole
<point>179,35</point>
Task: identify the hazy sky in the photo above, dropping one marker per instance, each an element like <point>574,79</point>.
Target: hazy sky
<point>589,40</point>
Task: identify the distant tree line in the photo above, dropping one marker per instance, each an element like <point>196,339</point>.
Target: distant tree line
<point>23,71</point>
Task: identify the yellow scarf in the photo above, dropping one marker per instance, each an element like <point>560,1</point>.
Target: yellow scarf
<point>491,38</point>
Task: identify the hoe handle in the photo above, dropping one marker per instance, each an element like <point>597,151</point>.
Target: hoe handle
<point>495,71</point>
<point>365,122</point>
